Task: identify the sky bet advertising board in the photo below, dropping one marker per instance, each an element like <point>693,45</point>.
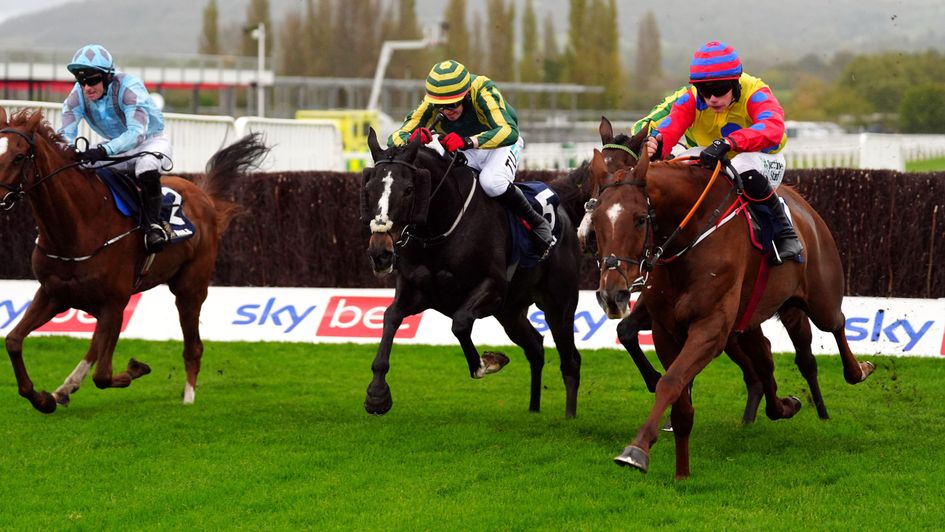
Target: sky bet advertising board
<point>904,327</point>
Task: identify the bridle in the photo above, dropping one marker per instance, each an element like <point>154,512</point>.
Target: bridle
<point>612,261</point>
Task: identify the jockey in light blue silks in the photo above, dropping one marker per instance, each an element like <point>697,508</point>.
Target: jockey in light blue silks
<point>118,107</point>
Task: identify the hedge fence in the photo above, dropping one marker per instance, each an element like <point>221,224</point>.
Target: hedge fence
<point>302,229</point>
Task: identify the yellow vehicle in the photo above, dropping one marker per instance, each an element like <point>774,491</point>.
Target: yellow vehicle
<point>354,125</point>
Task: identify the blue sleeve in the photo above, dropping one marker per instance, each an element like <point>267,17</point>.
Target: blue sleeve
<point>72,114</point>
<point>132,100</point>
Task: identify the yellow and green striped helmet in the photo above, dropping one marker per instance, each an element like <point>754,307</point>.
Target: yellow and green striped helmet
<point>448,82</point>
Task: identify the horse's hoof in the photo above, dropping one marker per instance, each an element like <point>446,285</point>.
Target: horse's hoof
<point>795,403</point>
<point>138,369</point>
<point>45,403</point>
<point>492,362</point>
<point>61,400</point>
<point>378,404</point>
<point>867,368</point>
<point>634,456</point>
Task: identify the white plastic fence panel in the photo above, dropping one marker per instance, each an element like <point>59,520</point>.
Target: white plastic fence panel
<point>297,144</point>
<point>196,138</point>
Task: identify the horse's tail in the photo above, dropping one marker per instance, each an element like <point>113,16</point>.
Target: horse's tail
<point>574,190</point>
<point>224,172</point>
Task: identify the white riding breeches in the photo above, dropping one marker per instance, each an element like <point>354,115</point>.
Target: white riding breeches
<point>157,144</point>
<point>496,167</point>
<point>770,165</point>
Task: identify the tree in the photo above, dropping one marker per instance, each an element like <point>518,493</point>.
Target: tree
<point>291,62</point>
<point>407,64</point>
<point>501,16</point>
<point>923,109</point>
<point>649,58</point>
<point>529,69</point>
<point>319,38</point>
<point>576,60</point>
<point>457,37</point>
<point>551,62</point>
<point>256,12</point>
<point>209,42</point>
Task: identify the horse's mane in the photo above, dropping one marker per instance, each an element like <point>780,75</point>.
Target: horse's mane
<point>30,120</point>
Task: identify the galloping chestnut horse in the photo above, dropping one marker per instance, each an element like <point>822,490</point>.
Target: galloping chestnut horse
<point>695,297</point>
<point>622,152</point>
<point>89,257</point>
<point>450,247</point>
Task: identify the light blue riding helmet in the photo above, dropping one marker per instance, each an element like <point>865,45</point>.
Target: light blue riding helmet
<point>92,57</point>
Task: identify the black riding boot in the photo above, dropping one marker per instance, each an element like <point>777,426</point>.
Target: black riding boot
<point>787,245</point>
<point>157,234</point>
<point>514,200</point>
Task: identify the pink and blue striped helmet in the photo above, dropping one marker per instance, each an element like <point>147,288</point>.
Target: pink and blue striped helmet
<point>715,61</point>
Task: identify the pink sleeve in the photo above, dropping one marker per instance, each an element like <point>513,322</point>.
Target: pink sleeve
<point>674,126</point>
<point>767,127</point>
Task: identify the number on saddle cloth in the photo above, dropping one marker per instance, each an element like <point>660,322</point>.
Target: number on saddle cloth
<point>127,200</point>
<point>544,200</point>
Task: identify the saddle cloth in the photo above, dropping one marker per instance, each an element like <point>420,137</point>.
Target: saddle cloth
<point>128,202</point>
<point>544,200</point>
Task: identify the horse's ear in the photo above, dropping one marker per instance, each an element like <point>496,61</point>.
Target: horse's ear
<point>377,153</point>
<point>598,171</point>
<point>366,176</point>
<point>606,131</point>
<point>638,141</point>
<point>639,171</point>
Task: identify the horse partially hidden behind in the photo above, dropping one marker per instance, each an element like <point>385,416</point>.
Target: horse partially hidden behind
<point>696,295</point>
<point>450,246</point>
<point>88,255</point>
<point>622,152</point>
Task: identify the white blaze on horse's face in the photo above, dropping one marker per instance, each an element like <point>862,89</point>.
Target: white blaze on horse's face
<point>3,145</point>
<point>613,214</point>
<point>382,223</point>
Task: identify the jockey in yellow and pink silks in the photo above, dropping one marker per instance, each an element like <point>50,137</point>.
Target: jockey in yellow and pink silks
<point>725,112</point>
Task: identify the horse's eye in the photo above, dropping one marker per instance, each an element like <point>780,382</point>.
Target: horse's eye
<point>18,158</point>
<point>408,190</point>
<point>640,221</point>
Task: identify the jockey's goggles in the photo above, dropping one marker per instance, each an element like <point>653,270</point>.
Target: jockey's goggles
<point>89,79</point>
<point>718,89</point>
<point>452,105</point>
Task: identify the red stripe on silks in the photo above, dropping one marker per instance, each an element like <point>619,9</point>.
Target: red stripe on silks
<point>761,281</point>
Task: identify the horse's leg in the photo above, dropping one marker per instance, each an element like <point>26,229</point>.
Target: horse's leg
<point>74,380</point>
<point>561,323</point>
<point>378,400</point>
<point>628,331</point>
<point>104,340</point>
<point>702,345</point>
<point>682,416</point>
<point>190,298</point>
<point>520,331</point>
<point>757,346</point>
<point>41,310</point>
<point>484,301</point>
<point>834,321</point>
<point>798,328</point>
<point>753,384</point>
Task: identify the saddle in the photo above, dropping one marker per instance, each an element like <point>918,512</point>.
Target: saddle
<point>127,197</point>
<point>525,252</point>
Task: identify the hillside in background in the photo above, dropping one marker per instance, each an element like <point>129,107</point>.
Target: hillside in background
<point>766,33</point>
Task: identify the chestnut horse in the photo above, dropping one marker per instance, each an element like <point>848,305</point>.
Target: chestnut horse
<point>695,296</point>
<point>452,254</point>
<point>90,257</point>
<point>621,152</point>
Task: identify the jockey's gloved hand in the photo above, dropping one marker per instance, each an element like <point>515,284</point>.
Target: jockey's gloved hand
<point>452,142</point>
<point>92,155</point>
<point>424,135</point>
<point>711,155</point>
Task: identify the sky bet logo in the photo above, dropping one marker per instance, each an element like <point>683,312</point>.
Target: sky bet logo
<point>898,331</point>
<point>362,317</point>
<point>70,321</point>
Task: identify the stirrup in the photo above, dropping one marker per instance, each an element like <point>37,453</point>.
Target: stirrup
<point>156,238</point>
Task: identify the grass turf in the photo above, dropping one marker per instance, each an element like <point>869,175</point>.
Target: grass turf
<point>278,439</point>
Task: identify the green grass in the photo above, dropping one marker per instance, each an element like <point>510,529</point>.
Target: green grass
<point>278,439</point>
<point>927,165</point>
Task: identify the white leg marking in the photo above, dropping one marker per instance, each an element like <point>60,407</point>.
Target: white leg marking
<point>585,227</point>
<point>74,380</point>
<point>189,394</point>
